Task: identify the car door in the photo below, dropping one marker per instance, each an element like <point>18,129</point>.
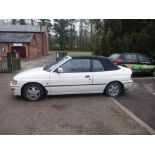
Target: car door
<point>75,78</point>
<point>99,76</point>
<point>145,63</point>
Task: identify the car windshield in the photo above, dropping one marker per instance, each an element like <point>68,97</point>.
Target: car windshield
<point>50,67</point>
<point>114,56</point>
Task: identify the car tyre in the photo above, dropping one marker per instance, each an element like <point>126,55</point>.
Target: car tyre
<point>33,92</point>
<point>113,89</point>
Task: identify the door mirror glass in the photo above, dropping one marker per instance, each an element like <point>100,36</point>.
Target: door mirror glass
<point>60,70</point>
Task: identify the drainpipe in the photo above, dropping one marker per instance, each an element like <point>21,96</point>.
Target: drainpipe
<point>42,44</point>
<point>41,29</point>
<point>28,50</point>
<point>8,48</point>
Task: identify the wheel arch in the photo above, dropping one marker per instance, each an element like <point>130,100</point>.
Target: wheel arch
<point>115,81</point>
<point>45,91</point>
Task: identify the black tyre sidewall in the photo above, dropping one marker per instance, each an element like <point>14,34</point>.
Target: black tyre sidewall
<point>107,87</point>
<point>31,85</point>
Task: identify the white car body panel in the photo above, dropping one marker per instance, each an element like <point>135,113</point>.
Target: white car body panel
<point>32,75</point>
<point>68,83</point>
<point>71,83</point>
<point>122,75</point>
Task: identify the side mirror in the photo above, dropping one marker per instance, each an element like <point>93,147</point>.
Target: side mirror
<point>60,70</point>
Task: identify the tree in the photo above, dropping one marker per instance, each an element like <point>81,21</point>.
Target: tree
<point>22,22</point>
<point>46,22</point>
<point>32,21</point>
<point>13,21</point>
<point>4,21</point>
<point>72,34</point>
<point>99,40</point>
<point>61,30</point>
<point>68,37</point>
<point>108,36</point>
<point>84,34</point>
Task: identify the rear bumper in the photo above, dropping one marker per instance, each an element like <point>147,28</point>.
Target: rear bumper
<point>127,84</point>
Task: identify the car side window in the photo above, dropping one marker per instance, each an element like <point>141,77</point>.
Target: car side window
<point>143,58</point>
<point>76,65</point>
<point>97,66</point>
<point>130,57</point>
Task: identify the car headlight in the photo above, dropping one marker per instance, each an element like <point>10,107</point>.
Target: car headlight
<point>14,82</point>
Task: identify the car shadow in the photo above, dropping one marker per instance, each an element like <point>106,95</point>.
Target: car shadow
<point>73,95</point>
<point>58,97</point>
<point>141,75</point>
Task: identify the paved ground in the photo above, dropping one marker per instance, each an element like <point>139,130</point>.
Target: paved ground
<point>140,99</point>
<point>72,114</point>
<point>39,62</point>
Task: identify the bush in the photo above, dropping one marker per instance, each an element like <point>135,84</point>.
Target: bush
<point>153,54</point>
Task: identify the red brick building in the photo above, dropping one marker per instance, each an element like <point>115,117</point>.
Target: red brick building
<point>28,41</point>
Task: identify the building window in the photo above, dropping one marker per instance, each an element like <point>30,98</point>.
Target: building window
<point>2,49</point>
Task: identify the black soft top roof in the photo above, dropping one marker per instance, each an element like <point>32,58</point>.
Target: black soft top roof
<point>108,65</point>
<point>89,57</point>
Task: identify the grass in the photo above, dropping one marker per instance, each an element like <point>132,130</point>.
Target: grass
<point>71,53</point>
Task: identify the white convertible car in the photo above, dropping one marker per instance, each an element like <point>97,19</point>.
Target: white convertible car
<point>72,75</point>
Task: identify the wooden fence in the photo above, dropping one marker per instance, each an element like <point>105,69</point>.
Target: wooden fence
<point>9,62</point>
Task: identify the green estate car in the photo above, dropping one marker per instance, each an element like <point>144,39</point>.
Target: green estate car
<point>139,63</point>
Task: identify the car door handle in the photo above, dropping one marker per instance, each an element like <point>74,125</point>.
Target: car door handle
<point>87,76</point>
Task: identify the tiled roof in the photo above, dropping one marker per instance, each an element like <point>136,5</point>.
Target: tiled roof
<point>16,37</point>
<point>20,28</point>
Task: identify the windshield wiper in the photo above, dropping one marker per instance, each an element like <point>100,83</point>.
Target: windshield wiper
<point>47,67</point>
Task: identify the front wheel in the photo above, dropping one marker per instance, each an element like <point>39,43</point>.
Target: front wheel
<point>33,92</point>
<point>113,89</point>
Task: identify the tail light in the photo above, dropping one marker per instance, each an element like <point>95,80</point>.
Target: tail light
<point>118,61</point>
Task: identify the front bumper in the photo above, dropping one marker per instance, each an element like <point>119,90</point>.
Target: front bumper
<point>16,90</point>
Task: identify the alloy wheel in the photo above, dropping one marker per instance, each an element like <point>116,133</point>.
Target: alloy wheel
<point>33,93</point>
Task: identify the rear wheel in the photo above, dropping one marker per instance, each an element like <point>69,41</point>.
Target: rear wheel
<point>33,92</point>
<point>113,89</point>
